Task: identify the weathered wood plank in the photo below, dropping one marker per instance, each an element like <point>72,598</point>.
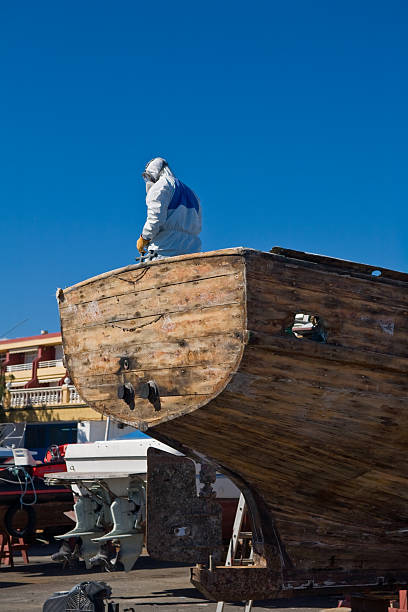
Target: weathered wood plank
<point>343,356</point>
<point>341,265</point>
<point>141,278</point>
<point>197,323</point>
<point>294,284</point>
<point>329,275</point>
<point>191,380</point>
<point>203,293</point>
<point>219,349</point>
<point>349,322</point>
<point>299,369</point>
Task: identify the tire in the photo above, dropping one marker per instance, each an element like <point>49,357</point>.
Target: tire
<point>26,531</point>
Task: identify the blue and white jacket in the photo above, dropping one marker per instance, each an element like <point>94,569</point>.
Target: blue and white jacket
<point>173,220</point>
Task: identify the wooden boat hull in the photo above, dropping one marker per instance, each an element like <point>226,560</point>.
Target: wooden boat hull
<point>315,432</point>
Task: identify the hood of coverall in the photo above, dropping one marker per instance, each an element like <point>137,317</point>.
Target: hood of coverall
<point>158,167</point>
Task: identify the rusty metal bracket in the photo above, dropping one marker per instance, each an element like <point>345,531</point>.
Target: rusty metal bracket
<point>180,525</point>
<point>126,393</point>
<point>150,391</point>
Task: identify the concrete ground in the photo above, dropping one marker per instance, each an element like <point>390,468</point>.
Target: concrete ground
<point>152,586</point>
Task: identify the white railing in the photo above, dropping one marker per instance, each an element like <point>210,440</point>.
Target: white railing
<point>46,396</point>
<point>19,366</point>
<point>52,363</point>
<point>35,397</point>
<point>74,396</point>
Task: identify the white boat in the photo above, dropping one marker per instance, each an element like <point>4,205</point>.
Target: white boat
<point>120,455</point>
<point>108,479</point>
<point>129,454</point>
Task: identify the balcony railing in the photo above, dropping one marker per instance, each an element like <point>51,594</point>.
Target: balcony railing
<point>19,366</point>
<point>35,397</point>
<point>46,396</point>
<point>74,396</point>
<point>52,363</point>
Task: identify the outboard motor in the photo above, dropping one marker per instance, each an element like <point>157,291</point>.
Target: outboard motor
<point>128,516</point>
<point>87,512</point>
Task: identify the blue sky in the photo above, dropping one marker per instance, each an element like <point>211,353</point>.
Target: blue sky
<point>289,119</point>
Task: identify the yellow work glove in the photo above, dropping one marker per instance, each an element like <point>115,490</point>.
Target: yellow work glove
<point>142,244</point>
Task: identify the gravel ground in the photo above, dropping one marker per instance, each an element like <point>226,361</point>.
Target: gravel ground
<point>152,586</point>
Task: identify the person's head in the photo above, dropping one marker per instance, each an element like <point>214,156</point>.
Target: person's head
<point>154,169</point>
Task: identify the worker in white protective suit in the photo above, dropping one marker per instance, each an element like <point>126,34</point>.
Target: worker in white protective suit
<point>173,219</point>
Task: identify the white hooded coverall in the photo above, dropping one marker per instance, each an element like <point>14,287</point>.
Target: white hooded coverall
<point>173,214</point>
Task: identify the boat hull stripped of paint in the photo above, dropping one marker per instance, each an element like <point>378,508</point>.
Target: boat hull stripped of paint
<point>201,350</point>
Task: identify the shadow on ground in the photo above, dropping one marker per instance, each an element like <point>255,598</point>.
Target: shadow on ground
<point>298,602</point>
<point>49,568</point>
<point>8,585</point>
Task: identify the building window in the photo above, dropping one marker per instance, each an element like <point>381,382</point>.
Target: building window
<point>59,352</point>
<point>29,356</point>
